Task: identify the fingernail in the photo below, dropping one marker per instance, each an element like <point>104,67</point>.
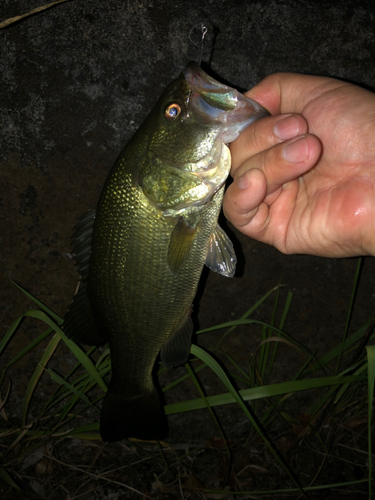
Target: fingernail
<point>296,152</point>
<point>243,182</point>
<point>287,128</point>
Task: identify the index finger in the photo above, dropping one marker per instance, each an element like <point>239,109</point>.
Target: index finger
<point>290,92</point>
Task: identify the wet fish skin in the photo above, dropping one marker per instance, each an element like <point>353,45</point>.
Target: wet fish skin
<point>142,251</point>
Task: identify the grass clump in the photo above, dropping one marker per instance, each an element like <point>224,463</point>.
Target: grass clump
<point>340,384</point>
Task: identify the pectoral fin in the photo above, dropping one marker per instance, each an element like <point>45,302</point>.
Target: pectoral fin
<point>182,239</point>
<point>176,350</point>
<point>221,257</point>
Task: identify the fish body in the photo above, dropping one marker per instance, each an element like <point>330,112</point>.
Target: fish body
<point>141,252</point>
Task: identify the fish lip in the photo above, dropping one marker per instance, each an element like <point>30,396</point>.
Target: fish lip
<point>199,79</point>
<point>212,101</point>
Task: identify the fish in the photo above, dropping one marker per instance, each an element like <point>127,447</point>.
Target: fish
<point>140,253</point>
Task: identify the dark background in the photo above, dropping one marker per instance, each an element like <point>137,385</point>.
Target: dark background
<point>75,83</point>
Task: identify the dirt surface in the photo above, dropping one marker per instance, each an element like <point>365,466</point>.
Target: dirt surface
<point>75,83</point>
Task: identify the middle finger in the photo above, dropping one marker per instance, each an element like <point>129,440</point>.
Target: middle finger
<point>282,163</point>
<point>265,133</point>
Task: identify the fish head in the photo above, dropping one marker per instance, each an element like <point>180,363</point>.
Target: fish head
<point>188,129</point>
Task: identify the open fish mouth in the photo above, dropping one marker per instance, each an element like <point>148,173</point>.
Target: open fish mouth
<point>211,101</point>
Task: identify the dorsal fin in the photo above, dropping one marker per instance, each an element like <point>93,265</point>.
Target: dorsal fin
<point>79,323</point>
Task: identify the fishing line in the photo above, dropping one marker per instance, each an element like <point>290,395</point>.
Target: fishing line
<point>204,31</point>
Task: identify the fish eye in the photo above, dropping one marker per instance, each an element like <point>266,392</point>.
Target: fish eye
<point>172,111</point>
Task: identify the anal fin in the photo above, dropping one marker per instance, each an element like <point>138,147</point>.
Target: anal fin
<point>176,350</point>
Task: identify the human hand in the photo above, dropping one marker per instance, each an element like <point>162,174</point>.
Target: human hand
<point>305,183</point>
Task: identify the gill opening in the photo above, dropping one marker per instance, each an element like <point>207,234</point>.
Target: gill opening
<point>188,103</point>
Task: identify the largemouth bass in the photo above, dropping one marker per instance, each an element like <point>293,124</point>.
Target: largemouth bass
<point>141,252</point>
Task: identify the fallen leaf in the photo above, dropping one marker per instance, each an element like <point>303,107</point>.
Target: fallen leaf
<point>191,483</point>
<point>43,467</point>
<point>218,443</point>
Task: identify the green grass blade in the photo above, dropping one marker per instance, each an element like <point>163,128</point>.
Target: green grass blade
<point>243,375</point>
<point>104,358</point>
<point>182,378</point>
<point>371,381</point>
<point>286,309</point>
<point>86,428</point>
<point>345,387</point>
<point>216,368</point>
<point>212,413</point>
<point>63,419</point>
<point>9,333</point>
<point>61,392</point>
<point>82,383</point>
<point>75,388</point>
<point>350,310</point>
<point>60,380</point>
<point>282,492</point>
<point>355,337</point>
<point>30,346</point>
<point>59,321</point>
<point>265,347</point>
<point>77,351</point>
<point>233,324</point>
<point>262,392</point>
<point>84,359</point>
<point>50,349</point>
<point>8,478</point>
<point>237,322</point>
<point>281,326</point>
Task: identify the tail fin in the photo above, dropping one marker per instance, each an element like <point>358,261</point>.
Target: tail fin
<point>141,417</point>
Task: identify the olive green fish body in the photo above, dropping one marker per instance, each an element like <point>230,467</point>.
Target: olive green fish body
<point>141,253</point>
<point>129,271</point>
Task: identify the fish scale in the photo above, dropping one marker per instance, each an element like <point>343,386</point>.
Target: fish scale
<point>160,310</point>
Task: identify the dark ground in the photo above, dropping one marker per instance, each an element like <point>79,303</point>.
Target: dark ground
<point>76,82</point>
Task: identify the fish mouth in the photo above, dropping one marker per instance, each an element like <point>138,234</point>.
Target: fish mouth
<point>212,101</point>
